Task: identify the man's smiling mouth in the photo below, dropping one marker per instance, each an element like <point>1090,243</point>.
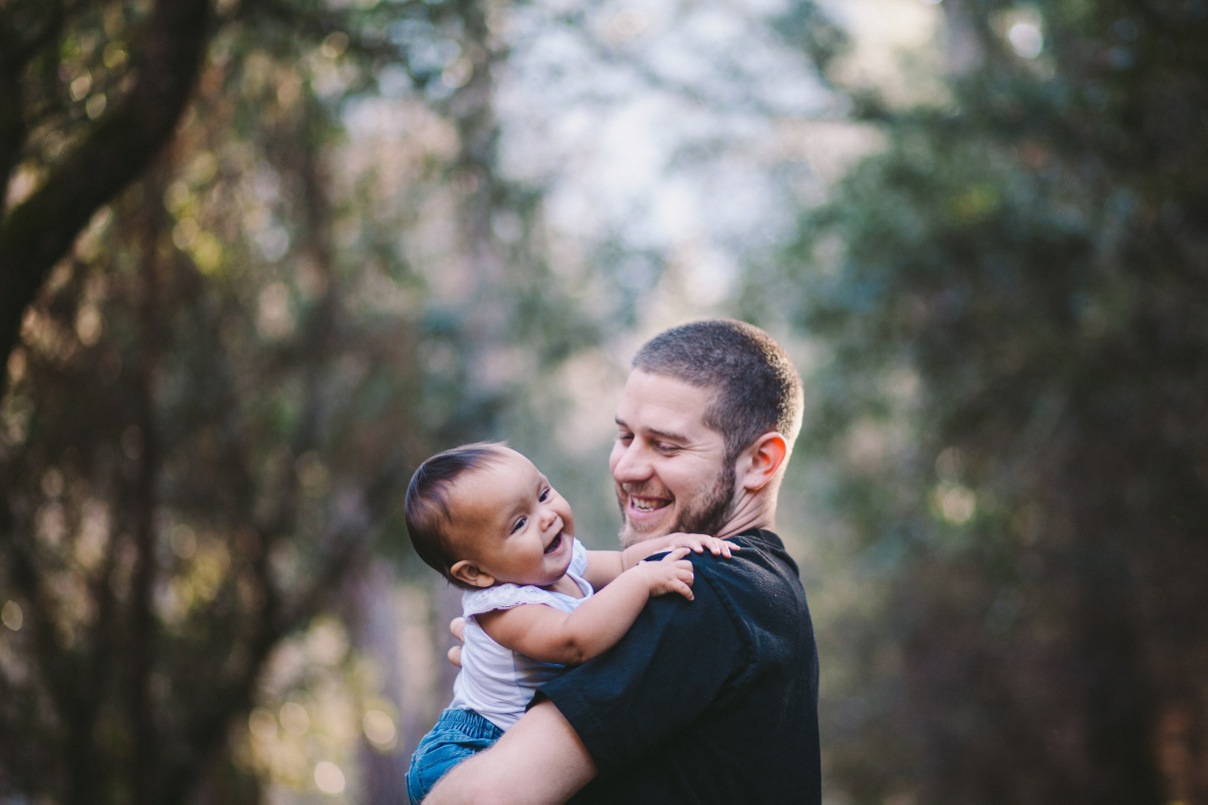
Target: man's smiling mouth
<point>647,504</point>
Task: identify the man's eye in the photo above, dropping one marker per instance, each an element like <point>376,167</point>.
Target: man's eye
<point>624,438</point>
<point>664,447</point>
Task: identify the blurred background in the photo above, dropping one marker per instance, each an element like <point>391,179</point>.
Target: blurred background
<point>260,257</point>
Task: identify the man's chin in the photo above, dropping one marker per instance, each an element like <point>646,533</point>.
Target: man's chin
<point>632,534</point>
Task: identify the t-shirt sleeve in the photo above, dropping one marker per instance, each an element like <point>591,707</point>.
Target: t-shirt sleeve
<point>679,658</point>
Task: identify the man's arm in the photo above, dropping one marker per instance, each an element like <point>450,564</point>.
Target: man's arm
<point>539,760</point>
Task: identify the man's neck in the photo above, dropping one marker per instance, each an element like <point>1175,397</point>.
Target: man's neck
<point>752,508</point>
<point>750,513</point>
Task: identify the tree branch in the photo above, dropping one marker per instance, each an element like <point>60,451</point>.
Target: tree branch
<point>38,232</point>
<point>15,52</point>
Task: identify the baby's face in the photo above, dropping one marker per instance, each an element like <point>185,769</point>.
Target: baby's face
<point>511,523</point>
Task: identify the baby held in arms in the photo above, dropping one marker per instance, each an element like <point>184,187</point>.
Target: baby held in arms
<point>535,599</point>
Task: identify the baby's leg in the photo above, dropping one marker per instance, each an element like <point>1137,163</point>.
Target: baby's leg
<point>458,735</point>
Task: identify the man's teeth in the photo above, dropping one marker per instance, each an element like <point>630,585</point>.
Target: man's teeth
<point>645,505</point>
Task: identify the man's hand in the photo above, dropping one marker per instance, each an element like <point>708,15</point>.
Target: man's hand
<point>457,627</point>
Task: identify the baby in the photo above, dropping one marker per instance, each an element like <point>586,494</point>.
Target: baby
<point>487,520</point>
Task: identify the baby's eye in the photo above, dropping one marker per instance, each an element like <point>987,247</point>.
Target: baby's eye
<point>519,524</point>
<point>545,494</point>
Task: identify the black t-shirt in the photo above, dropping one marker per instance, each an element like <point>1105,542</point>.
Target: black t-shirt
<point>710,700</point>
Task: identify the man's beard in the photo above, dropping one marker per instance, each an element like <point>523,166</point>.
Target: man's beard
<point>708,515</point>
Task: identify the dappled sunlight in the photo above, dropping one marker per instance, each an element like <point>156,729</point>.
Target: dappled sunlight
<point>12,616</point>
<point>320,708</point>
<point>954,503</point>
<point>380,730</point>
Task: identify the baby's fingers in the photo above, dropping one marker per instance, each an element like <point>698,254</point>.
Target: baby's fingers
<point>674,577</point>
<point>719,547</point>
<point>685,576</point>
<point>681,579</point>
<point>676,554</point>
<point>724,548</point>
<point>694,542</point>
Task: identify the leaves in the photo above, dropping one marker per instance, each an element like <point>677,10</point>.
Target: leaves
<point>1016,255</point>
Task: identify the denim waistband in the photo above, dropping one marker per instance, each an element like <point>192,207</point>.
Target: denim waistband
<point>470,723</point>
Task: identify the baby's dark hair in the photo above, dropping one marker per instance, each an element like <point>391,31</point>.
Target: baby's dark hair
<point>427,506</point>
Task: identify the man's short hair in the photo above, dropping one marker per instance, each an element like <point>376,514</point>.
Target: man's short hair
<point>757,388</point>
<point>427,508</point>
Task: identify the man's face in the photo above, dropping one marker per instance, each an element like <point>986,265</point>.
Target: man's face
<point>668,467</point>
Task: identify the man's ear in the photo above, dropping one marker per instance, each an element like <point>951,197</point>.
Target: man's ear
<point>470,573</point>
<point>761,461</point>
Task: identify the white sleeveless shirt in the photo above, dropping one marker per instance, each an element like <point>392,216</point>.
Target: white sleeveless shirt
<point>494,681</point>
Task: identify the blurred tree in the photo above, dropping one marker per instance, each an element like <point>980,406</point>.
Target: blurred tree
<point>213,398</point>
<point>217,394</point>
<point>1012,298</point>
<point>69,146</point>
<point>196,450</point>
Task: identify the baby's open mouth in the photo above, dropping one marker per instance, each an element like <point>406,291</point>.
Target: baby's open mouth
<point>553,546</point>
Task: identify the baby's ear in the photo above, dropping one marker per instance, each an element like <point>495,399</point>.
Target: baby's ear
<point>468,572</point>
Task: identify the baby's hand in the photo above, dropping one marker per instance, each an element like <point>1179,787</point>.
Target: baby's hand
<point>699,543</point>
<point>671,574</point>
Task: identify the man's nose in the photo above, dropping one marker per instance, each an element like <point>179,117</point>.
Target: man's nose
<point>633,464</point>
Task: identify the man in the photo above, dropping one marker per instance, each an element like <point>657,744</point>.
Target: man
<point>713,700</point>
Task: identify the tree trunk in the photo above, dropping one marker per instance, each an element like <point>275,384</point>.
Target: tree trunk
<point>39,231</point>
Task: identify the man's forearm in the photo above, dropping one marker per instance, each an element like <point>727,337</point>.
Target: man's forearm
<point>539,760</point>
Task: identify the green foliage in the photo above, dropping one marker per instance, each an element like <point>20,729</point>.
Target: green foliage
<point>1012,301</point>
<point>217,398</point>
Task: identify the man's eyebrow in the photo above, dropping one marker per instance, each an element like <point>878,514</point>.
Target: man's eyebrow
<point>664,435</point>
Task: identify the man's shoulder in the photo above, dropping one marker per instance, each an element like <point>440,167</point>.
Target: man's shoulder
<point>759,587</point>
<point>761,555</point>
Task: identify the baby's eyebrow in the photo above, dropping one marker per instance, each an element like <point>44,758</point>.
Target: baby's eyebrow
<point>514,517</point>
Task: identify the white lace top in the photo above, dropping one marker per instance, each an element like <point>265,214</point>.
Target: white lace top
<point>494,681</point>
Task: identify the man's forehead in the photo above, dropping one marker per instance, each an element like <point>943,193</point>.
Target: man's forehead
<point>662,404</point>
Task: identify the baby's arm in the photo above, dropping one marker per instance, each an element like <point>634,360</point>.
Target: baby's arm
<point>570,638</point>
<point>604,566</point>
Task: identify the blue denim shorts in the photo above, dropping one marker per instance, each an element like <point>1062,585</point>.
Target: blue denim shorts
<point>458,734</point>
